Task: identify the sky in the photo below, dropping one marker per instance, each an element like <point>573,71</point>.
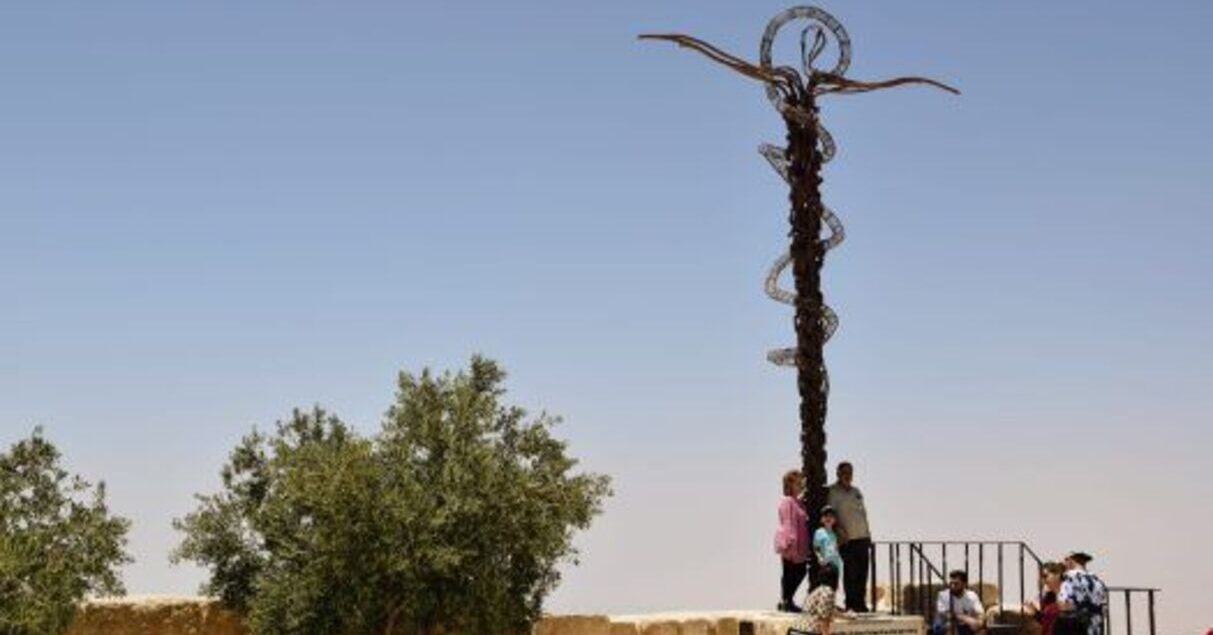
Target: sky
<point>211,213</point>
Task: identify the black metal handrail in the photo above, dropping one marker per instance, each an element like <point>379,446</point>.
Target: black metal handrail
<point>918,569</point>
<point>1129,593</point>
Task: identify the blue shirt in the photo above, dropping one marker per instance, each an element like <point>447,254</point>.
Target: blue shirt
<point>825,545</point>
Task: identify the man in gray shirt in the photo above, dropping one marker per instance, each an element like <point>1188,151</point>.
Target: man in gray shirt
<point>853,536</point>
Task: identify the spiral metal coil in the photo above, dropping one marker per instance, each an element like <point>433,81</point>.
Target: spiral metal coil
<point>794,93</point>
<point>813,41</point>
<point>820,23</point>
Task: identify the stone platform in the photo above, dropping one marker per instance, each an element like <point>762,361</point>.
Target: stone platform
<point>162,615</point>
<point>718,623</point>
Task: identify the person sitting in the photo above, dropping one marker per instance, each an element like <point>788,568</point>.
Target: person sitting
<point>1045,609</point>
<point>958,608</point>
<point>820,606</point>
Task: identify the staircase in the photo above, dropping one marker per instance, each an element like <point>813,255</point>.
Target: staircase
<point>906,576</point>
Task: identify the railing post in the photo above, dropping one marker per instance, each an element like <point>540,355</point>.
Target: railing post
<point>981,567</point>
<point>1000,580</point>
<point>1128,613</point>
<point>1022,597</point>
<point>892,582</point>
<point>922,566</point>
<point>930,612</point>
<point>897,580</point>
<point>872,571</point>
<point>1150,596</point>
<point>967,574</point>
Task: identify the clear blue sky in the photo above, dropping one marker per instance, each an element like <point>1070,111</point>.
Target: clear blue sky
<point>211,212</point>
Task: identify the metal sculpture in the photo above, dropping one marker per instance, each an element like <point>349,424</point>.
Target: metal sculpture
<point>794,94</point>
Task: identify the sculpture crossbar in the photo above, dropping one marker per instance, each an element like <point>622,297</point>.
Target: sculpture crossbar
<point>794,92</point>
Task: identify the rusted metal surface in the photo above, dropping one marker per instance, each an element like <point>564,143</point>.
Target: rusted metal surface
<point>794,92</point>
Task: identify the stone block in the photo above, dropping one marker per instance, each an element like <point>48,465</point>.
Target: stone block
<point>573,625</point>
<point>659,627</point>
<point>624,628</point>
<point>775,623</point>
<point>727,626</point>
<point>155,615</point>
<point>696,626</point>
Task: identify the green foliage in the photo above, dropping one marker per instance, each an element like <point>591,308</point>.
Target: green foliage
<point>58,541</point>
<point>452,518</point>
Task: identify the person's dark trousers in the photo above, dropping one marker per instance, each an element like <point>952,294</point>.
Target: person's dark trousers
<point>793,573</point>
<point>815,575</point>
<point>855,573</point>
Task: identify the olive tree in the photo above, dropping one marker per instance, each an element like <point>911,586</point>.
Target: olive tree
<point>59,543</point>
<point>453,517</point>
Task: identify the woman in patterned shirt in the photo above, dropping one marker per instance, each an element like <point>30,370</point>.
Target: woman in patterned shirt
<point>1082,598</point>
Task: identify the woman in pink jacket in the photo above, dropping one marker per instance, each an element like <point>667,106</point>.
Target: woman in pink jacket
<point>792,539</point>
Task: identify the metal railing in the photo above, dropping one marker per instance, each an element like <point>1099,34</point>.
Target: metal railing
<point>916,570</point>
<point>1126,597</point>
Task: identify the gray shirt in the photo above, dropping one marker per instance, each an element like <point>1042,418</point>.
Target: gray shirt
<point>852,515</point>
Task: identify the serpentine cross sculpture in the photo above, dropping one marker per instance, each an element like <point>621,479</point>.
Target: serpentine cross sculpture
<point>794,94</point>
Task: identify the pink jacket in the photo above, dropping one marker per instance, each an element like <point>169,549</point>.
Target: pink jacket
<point>792,537</point>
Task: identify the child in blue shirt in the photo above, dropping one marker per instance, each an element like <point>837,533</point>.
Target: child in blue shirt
<point>825,542</point>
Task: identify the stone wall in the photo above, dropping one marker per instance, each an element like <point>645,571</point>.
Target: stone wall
<point>160,615</point>
<point>155,615</point>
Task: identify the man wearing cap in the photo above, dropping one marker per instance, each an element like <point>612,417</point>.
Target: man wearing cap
<point>1082,594</point>
<point>847,502</point>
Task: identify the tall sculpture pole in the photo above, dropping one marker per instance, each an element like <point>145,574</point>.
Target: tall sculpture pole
<point>794,94</point>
